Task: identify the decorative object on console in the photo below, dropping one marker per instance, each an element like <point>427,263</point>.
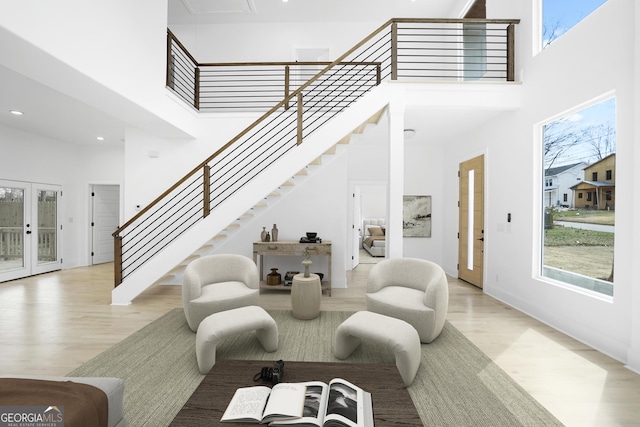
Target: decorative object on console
<point>288,277</point>
<point>274,233</point>
<point>263,234</point>
<point>416,216</point>
<point>268,237</point>
<point>306,262</point>
<point>274,278</point>
<point>311,238</point>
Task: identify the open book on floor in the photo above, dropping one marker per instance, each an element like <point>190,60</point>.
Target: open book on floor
<point>309,404</point>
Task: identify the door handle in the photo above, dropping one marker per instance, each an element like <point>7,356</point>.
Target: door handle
<point>28,231</point>
<point>482,239</point>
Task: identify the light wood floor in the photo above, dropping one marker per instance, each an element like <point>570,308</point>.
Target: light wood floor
<point>52,323</point>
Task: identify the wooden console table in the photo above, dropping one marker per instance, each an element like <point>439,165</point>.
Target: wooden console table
<point>291,248</point>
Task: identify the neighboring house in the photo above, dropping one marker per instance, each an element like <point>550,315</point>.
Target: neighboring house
<point>599,191</point>
<point>558,182</point>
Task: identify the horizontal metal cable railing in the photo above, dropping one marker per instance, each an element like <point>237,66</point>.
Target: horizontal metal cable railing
<point>302,109</point>
<point>429,49</point>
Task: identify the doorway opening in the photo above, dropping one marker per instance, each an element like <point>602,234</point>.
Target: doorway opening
<point>105,216</point>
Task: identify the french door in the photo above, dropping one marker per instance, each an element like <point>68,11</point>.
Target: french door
<point>30,229</point>
<point>471,225</point>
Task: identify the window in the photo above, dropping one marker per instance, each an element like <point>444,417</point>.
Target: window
<point>572,252</point>
<point>559,16</point>
<point>548,182</point>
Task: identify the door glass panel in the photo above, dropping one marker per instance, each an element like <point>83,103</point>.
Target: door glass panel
<point>47,220</point>
<point>11,228</point>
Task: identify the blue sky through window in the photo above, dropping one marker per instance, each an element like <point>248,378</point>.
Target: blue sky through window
<point>559,16</point>
<point>588,128</point>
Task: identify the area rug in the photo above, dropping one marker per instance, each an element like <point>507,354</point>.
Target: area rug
<point>456,385</point>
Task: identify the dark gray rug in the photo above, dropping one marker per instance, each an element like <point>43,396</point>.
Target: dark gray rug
<point>456,385</point>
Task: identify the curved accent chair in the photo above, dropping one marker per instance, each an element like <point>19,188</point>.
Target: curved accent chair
<point>215,283</point>
<point>410,289</point>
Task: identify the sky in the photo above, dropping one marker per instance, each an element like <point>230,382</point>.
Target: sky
<point>564,14</point>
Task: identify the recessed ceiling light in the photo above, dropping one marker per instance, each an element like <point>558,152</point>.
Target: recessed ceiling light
<point>16,112</point>
<point>100,138</point>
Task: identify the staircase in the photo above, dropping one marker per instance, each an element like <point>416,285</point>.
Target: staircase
<point>174,276</point>
<point>219,195</point>
<point>244,208</point>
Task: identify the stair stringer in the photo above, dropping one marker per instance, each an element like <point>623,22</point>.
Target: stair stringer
<point>313,146</point>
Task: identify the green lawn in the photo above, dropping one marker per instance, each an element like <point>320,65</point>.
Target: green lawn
<point>565,236</point>
<point>586,215</point>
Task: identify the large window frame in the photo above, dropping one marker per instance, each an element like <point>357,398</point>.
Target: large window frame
<point>555,262</point>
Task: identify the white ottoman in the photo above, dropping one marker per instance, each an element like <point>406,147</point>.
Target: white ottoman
<point>232,322</point>
<point>399,336</point>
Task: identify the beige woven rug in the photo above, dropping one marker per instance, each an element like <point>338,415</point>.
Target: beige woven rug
<point>456,385</point>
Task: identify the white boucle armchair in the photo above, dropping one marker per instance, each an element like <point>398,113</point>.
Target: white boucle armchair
<point>216,283</point>
<point>410,289</point>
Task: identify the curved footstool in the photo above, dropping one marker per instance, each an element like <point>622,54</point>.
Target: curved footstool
<point>399,336</point>
<point>232,322</point>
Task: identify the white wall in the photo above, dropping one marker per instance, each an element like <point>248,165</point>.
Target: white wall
<point>117,64</point>
<point>424,168</point>
<point>556,80</point>
<point>153,164</point>
<point>374,201</point>
<point>32,158</point>
<point>268,42</point>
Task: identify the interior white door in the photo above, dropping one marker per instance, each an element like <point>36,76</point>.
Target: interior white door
<point>105,208</point>
<point>356,227</point>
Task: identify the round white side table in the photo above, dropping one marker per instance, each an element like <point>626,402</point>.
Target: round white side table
<point>306,293</point>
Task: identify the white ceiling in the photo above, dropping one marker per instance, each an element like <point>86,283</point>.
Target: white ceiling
<point>56,115</point>
<point>255,11</point>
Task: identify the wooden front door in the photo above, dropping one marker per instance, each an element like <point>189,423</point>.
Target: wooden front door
<point>471,225</point>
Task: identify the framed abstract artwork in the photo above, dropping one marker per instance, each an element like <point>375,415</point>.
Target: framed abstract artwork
<point>416,216</point>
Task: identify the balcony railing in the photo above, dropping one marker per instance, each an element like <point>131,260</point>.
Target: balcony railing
<point>400,49</point>
<point>413,49</point>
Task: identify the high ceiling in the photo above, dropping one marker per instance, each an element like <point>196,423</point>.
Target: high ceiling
<point>260,11</point>
<point>56,115</point>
